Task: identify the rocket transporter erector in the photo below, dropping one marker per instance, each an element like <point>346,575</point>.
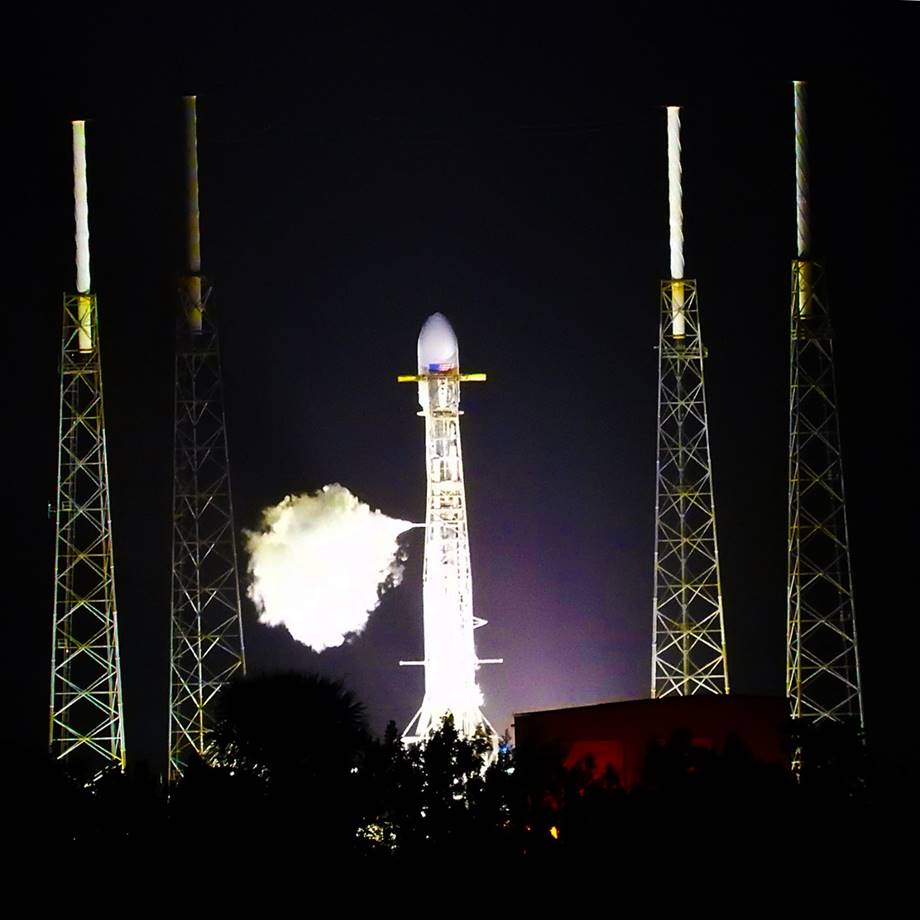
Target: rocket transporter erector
<point>447,586</point>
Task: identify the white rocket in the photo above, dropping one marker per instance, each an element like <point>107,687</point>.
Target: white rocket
<point>447,586</point>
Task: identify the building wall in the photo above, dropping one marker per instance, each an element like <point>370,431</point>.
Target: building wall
<point>618,734</point>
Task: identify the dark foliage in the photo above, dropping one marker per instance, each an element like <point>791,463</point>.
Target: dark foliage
<point>289,727</point>
<point>295,771</point>
<point>285,756</point>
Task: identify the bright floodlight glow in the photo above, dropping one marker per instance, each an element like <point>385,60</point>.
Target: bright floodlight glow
<point>320,563</point>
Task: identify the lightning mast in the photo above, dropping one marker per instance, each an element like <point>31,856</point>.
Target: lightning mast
<point>688,646</point>
<point>822,665</point>
<point>447,586</point>
<point>206,627</point>
<point>86,724</point>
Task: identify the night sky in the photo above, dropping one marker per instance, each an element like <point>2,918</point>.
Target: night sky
<point>361,170</point>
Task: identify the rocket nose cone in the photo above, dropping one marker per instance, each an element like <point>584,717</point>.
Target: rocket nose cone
<point>438,350</point>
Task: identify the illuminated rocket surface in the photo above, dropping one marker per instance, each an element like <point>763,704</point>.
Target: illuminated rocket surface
<point>450,655</point>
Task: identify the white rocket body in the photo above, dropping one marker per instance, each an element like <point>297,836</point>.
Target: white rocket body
<point>447,593</point>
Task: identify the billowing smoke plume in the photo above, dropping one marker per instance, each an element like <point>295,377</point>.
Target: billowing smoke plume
<point>320,564</point>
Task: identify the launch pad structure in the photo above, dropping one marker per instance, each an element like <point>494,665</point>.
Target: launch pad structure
<point>822,662</point>
<point>450,660</point>
<point>86,727</point>
<point>206,628</point>
<point>688,645</point>
<point>86,724</point>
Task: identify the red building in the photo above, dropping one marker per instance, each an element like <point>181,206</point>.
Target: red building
<point>618,734</point>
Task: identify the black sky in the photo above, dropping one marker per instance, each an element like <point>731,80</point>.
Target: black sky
<point>360,170</point>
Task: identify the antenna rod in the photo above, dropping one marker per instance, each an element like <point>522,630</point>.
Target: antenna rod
<point>803,230</point>
<point>81,206</point>
<point>81,236</point>
<point>675,208</point>
<point>676,220</point>
<point>193,287</point>
<point>801,171</point>
<point>191,161</point>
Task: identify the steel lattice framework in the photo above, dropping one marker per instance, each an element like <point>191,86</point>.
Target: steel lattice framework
<point>86,725</point>
<point>688,649</point>
<point>206,633</point>
<point>822,665</point>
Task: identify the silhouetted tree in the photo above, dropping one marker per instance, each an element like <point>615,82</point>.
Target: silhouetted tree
<point>286,750</point>
<point>833,758</point>
<point>391,790</point>
<point>440,796</point>
<point>452,768</point>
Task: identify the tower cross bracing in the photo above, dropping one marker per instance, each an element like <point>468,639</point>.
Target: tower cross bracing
<point>206,626</point>
<point>86,723</point>
<point>688,649</point>
<point>822,663</point>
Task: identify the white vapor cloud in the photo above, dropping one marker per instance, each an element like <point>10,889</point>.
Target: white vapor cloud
<point>320,563</point>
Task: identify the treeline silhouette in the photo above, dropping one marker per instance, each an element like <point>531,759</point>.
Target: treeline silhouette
<point>294,766</point>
